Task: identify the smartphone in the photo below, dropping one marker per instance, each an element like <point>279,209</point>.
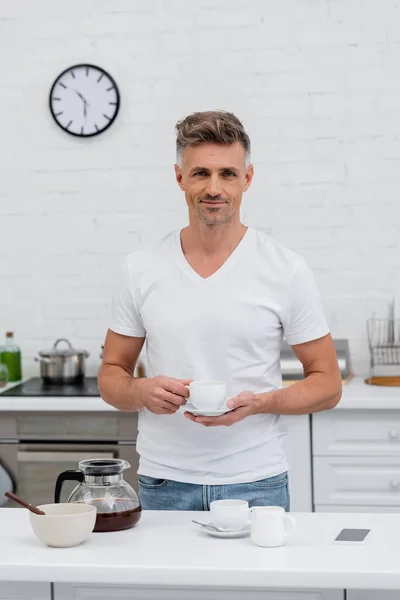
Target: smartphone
<point>352,536</point>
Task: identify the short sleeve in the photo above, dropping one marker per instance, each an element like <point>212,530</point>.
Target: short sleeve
<point>124,313</point>
<point>305,317</point>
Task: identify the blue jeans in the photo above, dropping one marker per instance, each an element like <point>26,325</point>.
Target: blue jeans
<point>165,494</point>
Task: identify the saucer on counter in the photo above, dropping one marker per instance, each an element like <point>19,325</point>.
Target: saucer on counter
<point>204,412</point>
<point>230,534</point>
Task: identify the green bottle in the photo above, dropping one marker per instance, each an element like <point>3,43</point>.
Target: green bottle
<point>11,357</point>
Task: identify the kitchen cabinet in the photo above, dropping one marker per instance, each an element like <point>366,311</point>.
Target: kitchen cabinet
<point>298,452</point>
<point>372,595</point>
<point>25,591</point>
<point>368,481</point>
<point>355,508</point>
<point>356,461</point>
<point>357,433</point>
<point>70,591</point>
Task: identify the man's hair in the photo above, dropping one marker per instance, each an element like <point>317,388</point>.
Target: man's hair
<point>213,127</point>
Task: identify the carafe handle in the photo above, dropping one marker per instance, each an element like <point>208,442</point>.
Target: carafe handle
<point>71,475</point>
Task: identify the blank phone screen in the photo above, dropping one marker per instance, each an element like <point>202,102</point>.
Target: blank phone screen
<point>352,535</point>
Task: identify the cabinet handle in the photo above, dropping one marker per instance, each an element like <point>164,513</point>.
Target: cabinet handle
<point>395,483</point>
<point>393,434</point>
<point>58,457</point>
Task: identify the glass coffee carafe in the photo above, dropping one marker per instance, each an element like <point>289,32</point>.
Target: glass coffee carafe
<point>101,484</point>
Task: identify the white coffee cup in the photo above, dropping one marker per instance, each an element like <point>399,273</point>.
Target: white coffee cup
<point>231,515</point>
<point>209,395</point>
<point>270,526</point>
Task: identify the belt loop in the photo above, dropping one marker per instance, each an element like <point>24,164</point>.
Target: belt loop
<point>206,497</point>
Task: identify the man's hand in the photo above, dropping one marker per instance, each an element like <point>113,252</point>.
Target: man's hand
<point>243,406</point>
<point>163,395</point>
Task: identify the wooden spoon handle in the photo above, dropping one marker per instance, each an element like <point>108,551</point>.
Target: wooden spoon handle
<point>24,503</point>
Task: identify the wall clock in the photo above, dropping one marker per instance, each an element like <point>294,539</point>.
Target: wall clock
<point>84,100</point>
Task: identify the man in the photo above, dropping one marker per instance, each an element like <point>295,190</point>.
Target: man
<point>213,302</point>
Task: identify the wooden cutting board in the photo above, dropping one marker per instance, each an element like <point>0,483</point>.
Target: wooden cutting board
<point>390,381</point>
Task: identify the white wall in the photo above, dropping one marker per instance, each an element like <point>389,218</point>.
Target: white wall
<point>317,85</point>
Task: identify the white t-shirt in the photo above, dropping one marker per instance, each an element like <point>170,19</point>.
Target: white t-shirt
<point>227,327</point>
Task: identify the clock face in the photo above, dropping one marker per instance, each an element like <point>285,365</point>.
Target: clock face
<point>84,100</point>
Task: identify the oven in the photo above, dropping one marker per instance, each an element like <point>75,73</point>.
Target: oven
<point>36,447</point>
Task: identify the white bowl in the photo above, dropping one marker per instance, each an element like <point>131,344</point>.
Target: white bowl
<point>64,525</point>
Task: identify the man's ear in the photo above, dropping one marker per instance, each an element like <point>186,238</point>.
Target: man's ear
<point>249,177</point>
<point>179,177</point>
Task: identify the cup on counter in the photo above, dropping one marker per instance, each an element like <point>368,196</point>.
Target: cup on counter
<point>209,395</point>
<point>232,515</point>
<point>270,526</point>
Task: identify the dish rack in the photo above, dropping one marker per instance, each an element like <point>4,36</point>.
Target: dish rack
<point>384,347</point>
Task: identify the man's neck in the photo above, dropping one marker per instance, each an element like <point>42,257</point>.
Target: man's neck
<point>202,239</point>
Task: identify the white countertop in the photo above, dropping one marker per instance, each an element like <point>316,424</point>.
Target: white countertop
<point>359,395</point>
<point>167,549</point>
<point>356,395</point>
<point>52,403</point>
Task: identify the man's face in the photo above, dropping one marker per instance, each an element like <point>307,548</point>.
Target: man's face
<point>214,177</point>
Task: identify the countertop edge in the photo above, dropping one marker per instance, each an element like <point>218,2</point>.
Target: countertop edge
<point>202,578</point>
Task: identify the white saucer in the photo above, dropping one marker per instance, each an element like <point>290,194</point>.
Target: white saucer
<point>203,412</point>
<point>229,534</point>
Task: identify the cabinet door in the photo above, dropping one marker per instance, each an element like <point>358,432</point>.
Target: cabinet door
<point>356,433</point>
<point>70,591</point>
<point>298,452</point>
<point>355,508</point>
<point>24,591</point>
<point>372,595</point>
<point>367,481</point>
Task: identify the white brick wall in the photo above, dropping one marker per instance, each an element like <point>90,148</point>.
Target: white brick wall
<point>317,86</point>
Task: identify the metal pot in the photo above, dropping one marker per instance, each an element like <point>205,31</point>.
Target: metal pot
<point>62,366</point>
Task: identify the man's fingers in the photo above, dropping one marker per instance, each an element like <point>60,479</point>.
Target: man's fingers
<point>189,416</point>
<point>232,403</point>
<point>224,420</point>
<point>167,409</point>
<point>178,388</point>
<point>242,399</point>
<point>173,399</point>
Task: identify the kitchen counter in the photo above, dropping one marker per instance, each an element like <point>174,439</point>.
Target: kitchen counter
<point>356,395</point>
<point>359,395</point>
<point>54,404</point>
<point>167,549</point>
<point>68,398</point>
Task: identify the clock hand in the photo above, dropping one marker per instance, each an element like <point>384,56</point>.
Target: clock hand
<point>80,95</point>
<point>83,98</point>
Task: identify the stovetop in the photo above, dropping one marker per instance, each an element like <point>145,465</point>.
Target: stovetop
<point>36,387</point>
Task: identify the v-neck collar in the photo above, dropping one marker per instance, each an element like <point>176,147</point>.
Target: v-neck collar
<point>227,265</point>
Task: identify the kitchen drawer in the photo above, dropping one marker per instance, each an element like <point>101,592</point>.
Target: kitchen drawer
<point>372,595</point>
<point>355,508</point>
<point>17,590</point>
<point>69,426</point>
<point>72,591</point>
<point>357,481</point>
<point>353,433</point>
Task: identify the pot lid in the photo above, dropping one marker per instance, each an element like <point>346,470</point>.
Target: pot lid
<point>65,352</point>
<point>102,467</point>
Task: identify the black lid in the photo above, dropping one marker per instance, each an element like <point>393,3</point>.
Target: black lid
<point>103,466</point>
